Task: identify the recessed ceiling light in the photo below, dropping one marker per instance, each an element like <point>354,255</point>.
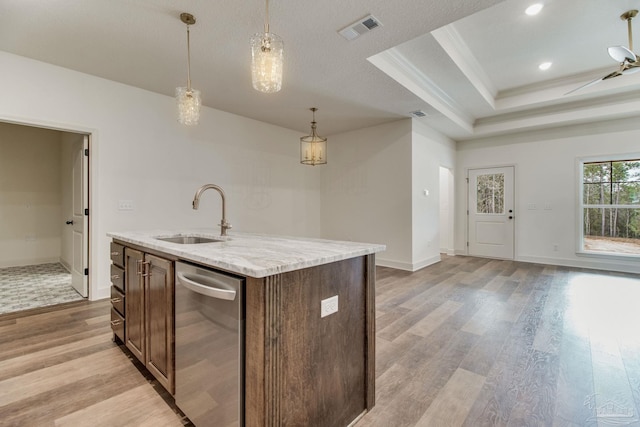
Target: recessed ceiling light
<point>545,66</point>
<point>534,9</point>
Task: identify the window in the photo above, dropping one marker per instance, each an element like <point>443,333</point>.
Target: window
<point>490,194</point>
<point>611,207</point>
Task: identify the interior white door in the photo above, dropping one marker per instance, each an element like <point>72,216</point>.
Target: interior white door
<point>491,212</point>
<point>80,193</point>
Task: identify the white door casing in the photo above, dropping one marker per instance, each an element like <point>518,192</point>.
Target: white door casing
<point>491,212</point>
<point>80,192</point>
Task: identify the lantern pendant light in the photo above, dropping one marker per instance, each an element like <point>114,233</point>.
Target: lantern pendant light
<point>187,98</point>
<point>267,51</point>
<point>313,148</point>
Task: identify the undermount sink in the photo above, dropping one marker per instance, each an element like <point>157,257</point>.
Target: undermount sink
<point>188,240</point>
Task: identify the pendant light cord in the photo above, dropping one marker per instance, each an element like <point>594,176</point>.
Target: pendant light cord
<point>188,61</point>
<point>266,18</point>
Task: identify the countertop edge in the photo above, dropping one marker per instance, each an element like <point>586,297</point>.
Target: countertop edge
<point>234,254</point>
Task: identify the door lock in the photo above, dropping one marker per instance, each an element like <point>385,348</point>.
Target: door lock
<point>69,222</point>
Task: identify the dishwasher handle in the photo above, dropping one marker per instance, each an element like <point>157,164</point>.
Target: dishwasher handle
<point>206,289</point>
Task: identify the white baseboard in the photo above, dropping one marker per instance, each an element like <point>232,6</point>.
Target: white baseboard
<point>598,264</point>
<point>101,293</point>
<point>65,265</point>
<point>23,262</point>
<point>406,266</point>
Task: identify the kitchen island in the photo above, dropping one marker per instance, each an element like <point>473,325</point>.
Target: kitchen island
<point>305,363</point>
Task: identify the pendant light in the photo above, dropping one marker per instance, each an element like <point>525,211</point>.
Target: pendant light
<point>188,99</point>
<point>313,148</point>
<point>266,59</point>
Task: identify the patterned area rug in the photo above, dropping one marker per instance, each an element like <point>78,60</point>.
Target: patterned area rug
<point>33,286</point>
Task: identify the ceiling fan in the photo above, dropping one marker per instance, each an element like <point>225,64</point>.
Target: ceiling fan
<point>628,60</point>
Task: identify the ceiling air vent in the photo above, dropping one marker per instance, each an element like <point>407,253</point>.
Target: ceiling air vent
<point>360,27</point>
<point>418,113</point>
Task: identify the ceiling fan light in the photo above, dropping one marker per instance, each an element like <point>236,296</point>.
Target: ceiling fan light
<point>621,54</point>
<point>534,9</point>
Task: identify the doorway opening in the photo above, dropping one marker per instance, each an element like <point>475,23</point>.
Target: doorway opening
<point>446,211</point>
<point>44,234</point>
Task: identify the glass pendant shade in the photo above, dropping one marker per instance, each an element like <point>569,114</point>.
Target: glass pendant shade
<point>267,53</point>
<point>188,101</point>
<point>313,148</point>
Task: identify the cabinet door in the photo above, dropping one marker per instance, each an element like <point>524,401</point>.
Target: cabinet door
<point>159,290</point>
<point>134,303</point>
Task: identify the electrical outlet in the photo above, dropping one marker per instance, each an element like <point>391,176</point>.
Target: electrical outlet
<point>532,206</point>
<point>125,205</point>
<point>328,306</point>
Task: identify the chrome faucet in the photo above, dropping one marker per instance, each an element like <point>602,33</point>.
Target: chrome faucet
<point>224,225</point>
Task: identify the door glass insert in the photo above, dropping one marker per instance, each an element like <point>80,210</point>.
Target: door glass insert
<point>490,194</point>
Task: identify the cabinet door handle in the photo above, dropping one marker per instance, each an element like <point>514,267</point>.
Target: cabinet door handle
<point>115,300</point>
<point>115,277</point>
<point>116,322</point>
<point>139,267</point>
<point>146,269</point>
<point>115,253</point>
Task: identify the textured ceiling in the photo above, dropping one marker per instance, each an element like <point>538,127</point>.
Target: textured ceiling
<point>379,77</point>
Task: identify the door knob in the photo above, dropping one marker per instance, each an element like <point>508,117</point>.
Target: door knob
<point>69,222</point>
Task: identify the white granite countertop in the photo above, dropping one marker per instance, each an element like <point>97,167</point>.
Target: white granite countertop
<point>254,255</point>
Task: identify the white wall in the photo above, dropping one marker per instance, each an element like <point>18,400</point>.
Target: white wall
<point>546,175</point>
<point>431,150</point>
<point>366,192</point>
<point>29,196</point>
<point>373,189</point>
<point>140,153</point>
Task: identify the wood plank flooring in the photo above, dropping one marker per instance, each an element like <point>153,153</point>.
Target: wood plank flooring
<point>465,342</point>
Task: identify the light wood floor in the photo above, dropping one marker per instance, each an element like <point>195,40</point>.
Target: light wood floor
<point>466,342</point>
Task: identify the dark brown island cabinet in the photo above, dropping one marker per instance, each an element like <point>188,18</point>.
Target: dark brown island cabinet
<point>300,369</point>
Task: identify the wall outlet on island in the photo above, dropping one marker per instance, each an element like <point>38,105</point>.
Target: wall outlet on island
<point>328,306</point>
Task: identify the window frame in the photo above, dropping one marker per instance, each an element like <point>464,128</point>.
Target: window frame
<point>580,162</point>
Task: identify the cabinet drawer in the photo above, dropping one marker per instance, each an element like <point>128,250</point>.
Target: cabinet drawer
<point>117,300</point>
<point>117,277</point>
<point>117,254</point>
<point>117,324</point>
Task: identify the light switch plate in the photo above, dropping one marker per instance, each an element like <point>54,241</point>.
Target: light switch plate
<point>328,306</point>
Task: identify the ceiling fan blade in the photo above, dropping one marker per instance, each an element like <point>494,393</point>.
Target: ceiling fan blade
<point>608,76</point>
<point>631,68</point>
<point>614,74</point>
<point>621,54</point>
<point>584,86</point>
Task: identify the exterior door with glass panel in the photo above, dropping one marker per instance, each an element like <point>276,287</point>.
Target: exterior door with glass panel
<point>491,216</point>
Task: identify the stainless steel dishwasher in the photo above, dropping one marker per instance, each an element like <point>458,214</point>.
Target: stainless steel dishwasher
<point>209,346</point>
